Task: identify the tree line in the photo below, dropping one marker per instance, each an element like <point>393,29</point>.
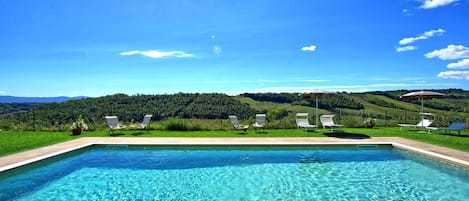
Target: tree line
<point>129,108</point>
<point>333,102</point>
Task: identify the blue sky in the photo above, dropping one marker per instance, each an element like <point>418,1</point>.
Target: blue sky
<point>95,48</point>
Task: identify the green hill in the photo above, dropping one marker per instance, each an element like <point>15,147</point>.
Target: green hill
<point>128,108</point>
<point>351,109</point>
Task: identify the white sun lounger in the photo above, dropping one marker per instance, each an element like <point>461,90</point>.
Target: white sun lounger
<point>260,121</point>
<point>113,123</point>
<point>145,122</point>
<point>302,121</point>
<point>328,122</point>
<point>236,125</point>
<point>423,123</point>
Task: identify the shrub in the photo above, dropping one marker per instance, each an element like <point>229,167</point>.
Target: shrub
<point>369,122</point>
<point>277,114</point>
<point>352,121</point>
<point>79,124</point>
<point>177,124</point>
<point>285,123</point>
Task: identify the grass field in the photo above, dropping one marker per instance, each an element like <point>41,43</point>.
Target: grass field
<point>13,141</point>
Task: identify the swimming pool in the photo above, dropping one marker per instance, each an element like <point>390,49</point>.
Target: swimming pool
<point>236,173</point>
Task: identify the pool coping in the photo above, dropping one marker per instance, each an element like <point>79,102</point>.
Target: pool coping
<point>453,156</point>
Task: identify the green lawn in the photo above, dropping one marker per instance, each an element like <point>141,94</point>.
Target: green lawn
<point>12,142</point>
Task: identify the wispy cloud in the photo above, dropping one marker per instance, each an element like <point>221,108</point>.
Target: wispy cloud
<point>429,4</point>
<point>421,82</point>
<point>460,64</point>
<point>404,79</point>
<point>426,35</point>
<point>350,88</point>
<point>410,40</point>
<point>458,75</point>
<point>315,81</point>
<point>130,53</point>
<point>217,49</point>
<point>310,48</point>
<point>157,54</point>
<point>406,12</point>
<point>2,92</point>
<point>406,48</point>
<point>451,52</point>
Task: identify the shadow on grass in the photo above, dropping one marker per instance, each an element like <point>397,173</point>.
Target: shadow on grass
<point>74,135</point>
<point>138,133</point>
<point>311,131</point>
<point>345,135</point>
<point>116,134</point>
<point>414,130</point>
<point>454,134</point>
<point>241,132</point>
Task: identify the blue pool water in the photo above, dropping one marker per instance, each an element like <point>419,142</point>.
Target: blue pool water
<point>236,173</point>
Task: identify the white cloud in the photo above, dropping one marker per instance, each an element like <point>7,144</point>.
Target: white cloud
<point>431,33</point>
<point>157,54</point>
<point>459,75</point>
<point>310,48</point>
<point>129,53</point>
<point>429,4</point>
<point>406,48</point>
<point>426,35</point>
<point>460,64</point>
<point>451,52</point>
<point>2,92</point>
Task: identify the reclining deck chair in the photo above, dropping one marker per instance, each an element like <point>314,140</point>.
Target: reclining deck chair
<point>423,123</point>
<point>456,124</point>
<point>260,121</point>
<point>328,122</point>
<point>113,123</point>
<point>302,121</point>
<point>236,125</point>
<point>145,122</point>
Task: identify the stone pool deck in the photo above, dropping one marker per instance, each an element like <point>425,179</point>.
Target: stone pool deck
<point>441,153</point>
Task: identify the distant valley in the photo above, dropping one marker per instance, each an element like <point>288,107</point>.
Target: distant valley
<point>16,99</point>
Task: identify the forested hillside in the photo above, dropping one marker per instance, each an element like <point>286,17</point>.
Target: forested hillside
<point>128,108</point>
<point>6,108</point>
<point>350,109</point>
